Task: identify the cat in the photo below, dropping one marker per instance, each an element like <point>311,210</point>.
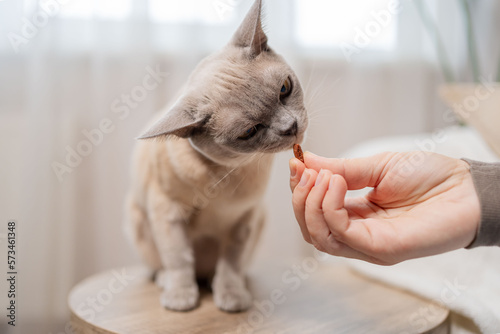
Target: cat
<point>195,205</point>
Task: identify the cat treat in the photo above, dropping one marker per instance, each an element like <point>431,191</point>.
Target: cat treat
<point>297,151</point>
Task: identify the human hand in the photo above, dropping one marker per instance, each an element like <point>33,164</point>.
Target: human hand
<point>421,204</point>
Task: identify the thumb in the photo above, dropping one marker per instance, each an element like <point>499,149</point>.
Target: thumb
<point>358,172</point>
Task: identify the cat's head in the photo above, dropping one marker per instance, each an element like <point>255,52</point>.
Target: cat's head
<point>242,100</point>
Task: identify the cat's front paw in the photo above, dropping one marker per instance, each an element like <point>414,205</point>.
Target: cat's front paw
<point>180,298</point>
<point>233,299</point>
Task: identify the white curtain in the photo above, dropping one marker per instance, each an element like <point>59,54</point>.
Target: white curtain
<point>72,79</point>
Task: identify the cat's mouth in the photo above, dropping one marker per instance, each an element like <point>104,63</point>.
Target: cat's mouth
<point>285,144</point>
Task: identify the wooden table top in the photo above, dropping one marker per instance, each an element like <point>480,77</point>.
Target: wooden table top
<point>288,299</point>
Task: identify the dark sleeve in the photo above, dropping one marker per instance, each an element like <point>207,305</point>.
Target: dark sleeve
<point>486,178</point>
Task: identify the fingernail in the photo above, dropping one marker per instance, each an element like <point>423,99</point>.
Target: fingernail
<point>331,183</point>
<point>305,177</point>
<point>320,177</point>
<point>293,170</point>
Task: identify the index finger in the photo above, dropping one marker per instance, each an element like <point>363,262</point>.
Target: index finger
<point>358,172</point>
<point>296,170</point>
<point>299,198</point>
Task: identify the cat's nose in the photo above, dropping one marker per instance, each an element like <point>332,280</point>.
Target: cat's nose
<point>292,130</point>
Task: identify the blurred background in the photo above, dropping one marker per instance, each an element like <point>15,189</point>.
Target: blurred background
<point>72,101</point>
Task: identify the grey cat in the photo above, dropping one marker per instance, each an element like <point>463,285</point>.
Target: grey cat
<point>195,206</point>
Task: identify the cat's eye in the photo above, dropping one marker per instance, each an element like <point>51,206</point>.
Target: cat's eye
<point>249,133</point>
<point>286,89</point>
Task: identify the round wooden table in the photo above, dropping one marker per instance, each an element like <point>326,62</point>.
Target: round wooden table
<point>298,298</point>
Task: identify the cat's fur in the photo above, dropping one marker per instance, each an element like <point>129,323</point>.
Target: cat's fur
<point>195,204</point>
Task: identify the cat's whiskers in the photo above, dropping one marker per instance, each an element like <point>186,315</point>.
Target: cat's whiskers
<point>309,80</point>
<point>243,163</point>
<point>311,96</point>
<point>238,184</point>
<point>224,177</point>
<point>259,161</point>
<point>319,90</point>
<point>314,97</point>
<point>318,112</point>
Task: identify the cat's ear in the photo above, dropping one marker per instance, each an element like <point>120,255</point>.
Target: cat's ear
<point>250,33</point>
<point>178,121</point>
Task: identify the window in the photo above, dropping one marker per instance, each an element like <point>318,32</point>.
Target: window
<point>212,12</point>
<point>318,24</point>
<point>330,23</point>
<point>102,9</point>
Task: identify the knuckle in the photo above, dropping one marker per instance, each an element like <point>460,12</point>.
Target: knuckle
<point>314,237</point>
<point>335,248</point>
<point>297,201</point>
<point>317,240</point>
<point>318,246</point>
<point>330,212</point>
<point>312,208</point>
